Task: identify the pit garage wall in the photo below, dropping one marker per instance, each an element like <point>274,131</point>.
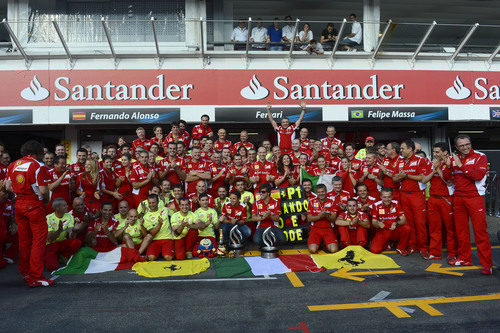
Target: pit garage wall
<point>45,115</point>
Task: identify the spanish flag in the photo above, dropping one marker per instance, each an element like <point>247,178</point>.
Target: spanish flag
<point>79,116</point>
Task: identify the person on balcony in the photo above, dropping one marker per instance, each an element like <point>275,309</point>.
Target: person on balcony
<point>239,36</point>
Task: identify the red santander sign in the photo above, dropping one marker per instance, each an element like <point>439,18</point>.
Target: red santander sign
<point>246,87</point>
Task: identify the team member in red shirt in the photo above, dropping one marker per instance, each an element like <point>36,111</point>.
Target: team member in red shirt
<point>322,168</point>
<point>365,202</point>
<point>222,143</point>
<point>410,172</point>
<point>60,182</point>
<point>261,171</point>
<point>82,216</point>
<point>237,171</point>
<point>142,178</point>
<point>109,183</point>
<point>296,152</point>
<point>89,186</point>
<point>389,166</point>
<point>123,185</point>
<point>184,134</point>
<point>196,170</point>
<point>321,213</point>
<point>286,173</point>
<point>469,170</point>
<point>338,195</point>
<point>286,132</point>
<point>307,185</point>
<point>174,136</point>
<point>172,167</point>
<point>218,172</point>
<point>202,129</point>
<point>348,175</point>
<point>331,139</point>
<point>389,220</point>
<point>79,166</point>
<point>243,142</point>
<point>266,212</point>
<point>371,174</point>
<point>159,138</point>
<point>141,140</point>
<point>356,163</point>
<point>305,143</point>
<point>101,232</point>
<point>234,213</point>
<point>353,225</point>
<point>334,157</point>
<point>201,187</point>
<point>28,179</point>
<point>439,206</point>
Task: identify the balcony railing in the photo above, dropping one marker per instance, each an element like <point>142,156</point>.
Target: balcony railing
<point>84,37</point>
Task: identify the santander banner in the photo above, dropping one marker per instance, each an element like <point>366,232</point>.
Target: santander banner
<point>246,87</point>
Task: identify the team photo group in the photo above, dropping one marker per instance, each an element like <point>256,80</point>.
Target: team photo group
<point>179,193</point>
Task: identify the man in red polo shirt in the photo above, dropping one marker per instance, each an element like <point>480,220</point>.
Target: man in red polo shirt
<point>356,163</point>
<point>243,142</point>
<point>389,220</point>
<point>101,232</point>
<point>410,172</point>
<point>338,195</point>
<point>389,167</point>
<point>333,158</point>
<point>261,171</point>
<point>469,170</point>
<point>184,134</point>
<point>172,167</point>
<point>222,143</point>
<point>218,173</point>
<point>439,206</point>
<point>266,212</point>
<point>371,174</point>
<point>79,166</point>
<point>321,213</point>
<point>142,178</point>
<point>59,182</point>
<point>286,132</point>
<point>141,140</point>
<point>353,225</point>
<point>330,138</point>
<point>202,129</point>
<point>28,179</point>
<point>196,170</point>
<point>305,143</point>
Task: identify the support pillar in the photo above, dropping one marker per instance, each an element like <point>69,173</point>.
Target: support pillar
<point>371,24</point>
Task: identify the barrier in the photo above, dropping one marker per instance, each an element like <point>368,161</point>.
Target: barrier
<point>492,197</point>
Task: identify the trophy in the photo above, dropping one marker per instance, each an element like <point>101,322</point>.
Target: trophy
<point>236,240</point>
<point>221,251</point>
<point>269,250</point>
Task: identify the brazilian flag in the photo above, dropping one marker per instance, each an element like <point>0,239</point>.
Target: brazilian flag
<point>357,114</point>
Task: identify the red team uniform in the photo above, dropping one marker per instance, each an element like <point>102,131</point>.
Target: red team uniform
<point>85,184</point>
<point>353,234</point>
<point>200,130</point>
<point>26,175</point>
<point>285,137</point>
<point>322,230</point>
<point>139,174</point>
<point>388,215</point>
<point>61,191</point>
<point>103,242</point>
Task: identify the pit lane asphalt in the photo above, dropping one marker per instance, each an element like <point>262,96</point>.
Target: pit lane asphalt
<point>123,301</point>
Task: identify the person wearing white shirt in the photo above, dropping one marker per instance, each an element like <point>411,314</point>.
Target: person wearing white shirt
<point>259,35</point>
<point>354,38</point>
<point>305,36</point>
<point>288,35</point>
<point>314,47</point>
<point>240,35</point>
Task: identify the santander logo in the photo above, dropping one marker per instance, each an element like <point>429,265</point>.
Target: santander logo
<point>458,90</point>
<point>35,92</point>
<point>255,90</point>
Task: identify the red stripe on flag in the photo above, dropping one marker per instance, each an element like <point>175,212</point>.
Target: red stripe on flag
<point>300,262</point>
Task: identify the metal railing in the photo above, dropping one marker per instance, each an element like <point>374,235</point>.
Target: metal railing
<point>492,196</point>
<point>83,36</point>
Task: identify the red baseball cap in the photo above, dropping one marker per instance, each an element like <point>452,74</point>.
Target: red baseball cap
<point>369,138</point>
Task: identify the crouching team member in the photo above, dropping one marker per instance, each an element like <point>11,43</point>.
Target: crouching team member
<point>101,232</point>
<point>61,238</point>
<point>266,212</point>
<point>322,212</point>
<point>133,232</point>
<point>353,225</point>
<point>234,213</point>
<point>159,240</point>
<point>390,221</point>
<point>206,221</point>
<point>181,222</point>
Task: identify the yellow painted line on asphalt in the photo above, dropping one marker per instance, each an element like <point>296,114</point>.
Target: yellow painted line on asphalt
<point>345,273</point>
<point>294,279</point>
<point>395,306</point>
<point>436,268</point>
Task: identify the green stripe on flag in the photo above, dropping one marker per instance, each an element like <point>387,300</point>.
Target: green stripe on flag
<point>78,263</point>
<point>313,179</point>
<point>232,267</point>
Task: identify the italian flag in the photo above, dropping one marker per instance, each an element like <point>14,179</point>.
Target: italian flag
<point>89,261</point>
<point>255,266</point>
